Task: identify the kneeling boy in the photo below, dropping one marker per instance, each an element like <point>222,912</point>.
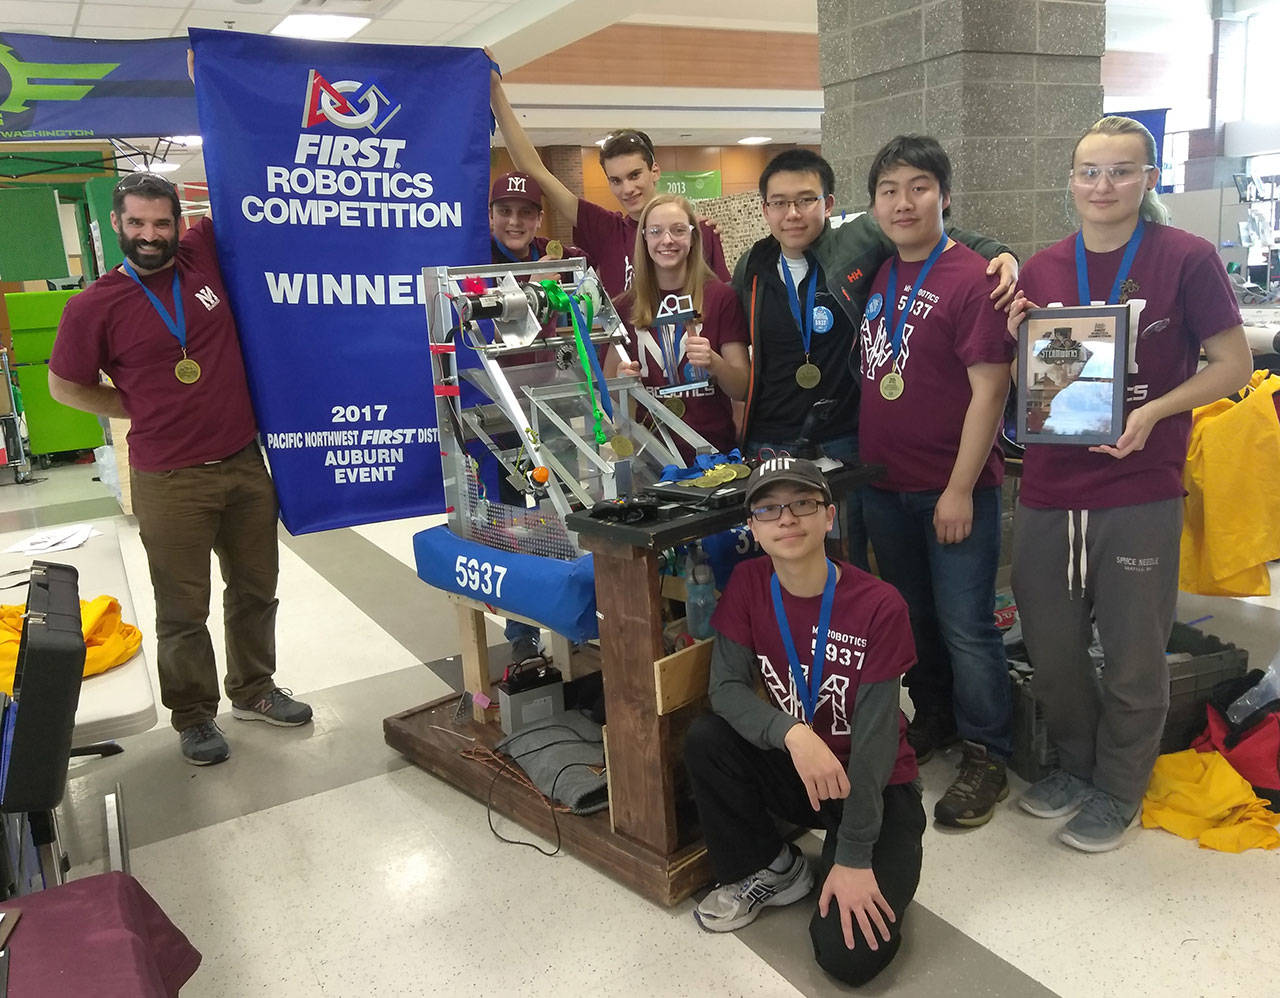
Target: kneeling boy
<point>828,750</point>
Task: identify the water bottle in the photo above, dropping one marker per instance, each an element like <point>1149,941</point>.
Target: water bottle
<point>700,586</point>
<point>1263,692</point>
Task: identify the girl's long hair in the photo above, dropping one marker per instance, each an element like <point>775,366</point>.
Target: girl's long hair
<point>645,294</point>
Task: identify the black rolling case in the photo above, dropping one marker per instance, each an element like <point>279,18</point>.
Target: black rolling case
<point>35,734</point>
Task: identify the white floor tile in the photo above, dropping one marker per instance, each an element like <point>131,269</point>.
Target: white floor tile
<point>1159,916</point>
<point>394,886</point>
<point>396,536</point>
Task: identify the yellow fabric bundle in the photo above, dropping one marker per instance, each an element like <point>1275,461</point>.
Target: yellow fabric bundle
<point>1197,795</point>
<point>1231,515</point>
<point>109,641</point>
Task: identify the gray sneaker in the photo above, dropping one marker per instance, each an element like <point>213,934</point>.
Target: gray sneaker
<point>1101,823</point>
<point>276,706</point>
<point>732,906</point>
<point>1057,794</point>
<point>203,744</point>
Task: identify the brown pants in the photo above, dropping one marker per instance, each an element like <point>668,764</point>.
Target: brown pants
<point>228,507</point>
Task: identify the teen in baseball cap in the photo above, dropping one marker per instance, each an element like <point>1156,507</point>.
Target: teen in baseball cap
<point>516,186</point>
<point>794,470</point>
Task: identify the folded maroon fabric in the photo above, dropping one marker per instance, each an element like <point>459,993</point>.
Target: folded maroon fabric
<point>102,936</point>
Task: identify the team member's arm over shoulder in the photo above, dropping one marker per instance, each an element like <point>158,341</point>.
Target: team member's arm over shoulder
<point>525,155</point>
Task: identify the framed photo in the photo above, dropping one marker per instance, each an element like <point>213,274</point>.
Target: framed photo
<point>1071,375</point>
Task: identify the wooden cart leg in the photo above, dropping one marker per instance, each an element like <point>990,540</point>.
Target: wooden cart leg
<point>475,655</point>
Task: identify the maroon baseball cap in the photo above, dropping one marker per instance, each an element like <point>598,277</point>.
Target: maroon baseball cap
<point>516,185</point>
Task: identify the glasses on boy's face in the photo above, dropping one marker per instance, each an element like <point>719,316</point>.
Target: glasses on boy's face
<point>680,230</point>
<point>1120,174</point>
<point>798,507</point>
<point>780,206</point>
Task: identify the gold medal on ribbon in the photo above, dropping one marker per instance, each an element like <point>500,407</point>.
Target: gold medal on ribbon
<point>622,446</point>
<point>739,470</point>
<point>554,250</point>
<point>808,375</point>
<point>187,371</point>
<point>676,405</point>
<point>892,385</point>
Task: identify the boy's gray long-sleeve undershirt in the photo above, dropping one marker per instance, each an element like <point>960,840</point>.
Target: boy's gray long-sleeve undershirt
<point>873,746</point>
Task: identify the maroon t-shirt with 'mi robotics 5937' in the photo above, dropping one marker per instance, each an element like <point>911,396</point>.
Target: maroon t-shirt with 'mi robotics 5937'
<point>869,641</point>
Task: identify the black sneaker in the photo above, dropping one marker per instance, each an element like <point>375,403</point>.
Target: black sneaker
<point>276,706</point>
<point>972,798</point>
<point>203,744</point>
<point>930,730</point>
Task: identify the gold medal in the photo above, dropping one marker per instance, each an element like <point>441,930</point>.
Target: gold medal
<point>676,404</point>
<point>187,371</point>
<point>554,250</point>
<point>622,446</point>
<point>808,375</point>
<point>706,481</point>
<point>739,470</point>
<point>892,385</point>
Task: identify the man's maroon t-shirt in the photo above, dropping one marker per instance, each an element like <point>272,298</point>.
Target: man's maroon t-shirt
<point>1189,299</point>
<point>113,327</point>
<point>869,641</point>
<point>609,237</point>
<point>952,326</point>
<point>708,410</point>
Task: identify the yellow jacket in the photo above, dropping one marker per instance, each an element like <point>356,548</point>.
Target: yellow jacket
<point>1197,795</point>
<point>109,641</point>
<point>1231,515</point>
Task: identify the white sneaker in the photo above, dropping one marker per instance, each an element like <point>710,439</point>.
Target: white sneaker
<point>731,906</point>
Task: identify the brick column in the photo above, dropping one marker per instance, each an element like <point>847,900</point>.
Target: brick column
<point>566,163</point>
<point>1005,85</point>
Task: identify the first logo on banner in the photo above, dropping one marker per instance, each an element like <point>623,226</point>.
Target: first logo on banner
<point>326,101</point>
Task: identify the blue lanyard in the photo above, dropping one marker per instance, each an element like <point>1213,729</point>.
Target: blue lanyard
<point>533,252</point>
<point>809,692</point>
<point>177,322</point>
<point>891,292</point>
<point>1126,263</point>
<point>805,322</point>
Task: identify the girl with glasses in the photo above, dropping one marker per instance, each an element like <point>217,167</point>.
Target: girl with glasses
<point>1097,538</point>
<point>670,265</point>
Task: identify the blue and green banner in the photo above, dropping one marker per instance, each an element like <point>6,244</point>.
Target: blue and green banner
<point>86,88</point>
<point>337,172</point>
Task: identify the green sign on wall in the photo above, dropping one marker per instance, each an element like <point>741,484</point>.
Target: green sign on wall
<point>692,185</point>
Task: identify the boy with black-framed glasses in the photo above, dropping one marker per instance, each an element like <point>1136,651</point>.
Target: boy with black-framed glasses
<point>827,750</point>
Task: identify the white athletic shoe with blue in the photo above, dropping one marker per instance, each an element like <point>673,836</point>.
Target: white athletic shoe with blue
<point>731,906</point>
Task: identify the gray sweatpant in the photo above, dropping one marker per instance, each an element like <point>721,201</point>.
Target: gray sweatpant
<point>1118,567</point>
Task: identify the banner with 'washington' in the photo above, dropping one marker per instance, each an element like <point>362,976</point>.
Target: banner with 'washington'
<point>84,88</point>
<point>336,173</point>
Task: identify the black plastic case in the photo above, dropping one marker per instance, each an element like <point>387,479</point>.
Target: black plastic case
<point>35,735</point>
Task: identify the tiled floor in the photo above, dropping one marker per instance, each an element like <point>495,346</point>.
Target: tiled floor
<point>318,862</point>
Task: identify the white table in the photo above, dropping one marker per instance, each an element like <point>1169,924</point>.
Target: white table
<point>113,704</point>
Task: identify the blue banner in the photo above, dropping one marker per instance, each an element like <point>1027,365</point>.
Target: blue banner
<point>84,88</point>
<point>337,171</point>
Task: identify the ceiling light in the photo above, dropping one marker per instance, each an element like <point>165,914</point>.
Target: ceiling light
<point>320,27</point>
<point>163,166</point>
<point>190,141</point>
<point>755,140</point>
